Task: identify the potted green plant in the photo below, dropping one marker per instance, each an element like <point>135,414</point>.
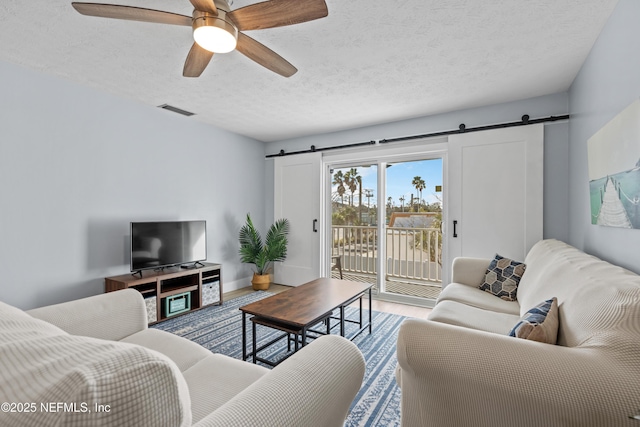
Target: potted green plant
<point>263,255</point>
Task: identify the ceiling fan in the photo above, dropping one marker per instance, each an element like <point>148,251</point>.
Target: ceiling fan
<point>217,29</point>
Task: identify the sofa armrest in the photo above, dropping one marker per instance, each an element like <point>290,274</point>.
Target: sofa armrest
<point>469,271</point>
<point>501,380</point>
<point>110,316</point>
<point>312,388</point>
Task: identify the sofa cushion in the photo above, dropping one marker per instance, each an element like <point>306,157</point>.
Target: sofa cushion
<point>183,352</point>
<point>477,298</point>
<point>216,379</point>
<point>125,310</point>
<point>597,301</point>
<point>539,323</point>
<point>502,277</point>
<point>43,364</point>
<point>455,313</point>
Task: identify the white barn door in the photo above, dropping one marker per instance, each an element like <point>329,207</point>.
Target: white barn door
<point>297,195</point>
<point>496,192</point>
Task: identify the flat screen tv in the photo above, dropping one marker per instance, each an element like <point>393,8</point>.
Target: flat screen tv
<point>167,243</point>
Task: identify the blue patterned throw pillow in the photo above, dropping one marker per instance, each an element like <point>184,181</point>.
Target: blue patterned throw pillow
<point>539,324</point>
<point>503,277</point>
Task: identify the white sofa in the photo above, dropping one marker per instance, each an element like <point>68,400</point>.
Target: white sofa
<point>460,367</point>
<point>94,362</point>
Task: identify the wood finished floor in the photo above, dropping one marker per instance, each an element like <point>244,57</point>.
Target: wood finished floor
<point>377,305</point>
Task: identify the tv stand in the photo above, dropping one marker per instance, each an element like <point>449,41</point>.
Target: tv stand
<point>174,290</point>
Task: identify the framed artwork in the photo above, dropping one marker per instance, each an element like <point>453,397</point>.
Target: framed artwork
<point>614,170</point>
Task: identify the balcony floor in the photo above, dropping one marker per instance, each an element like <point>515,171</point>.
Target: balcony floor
<point>395,286</point>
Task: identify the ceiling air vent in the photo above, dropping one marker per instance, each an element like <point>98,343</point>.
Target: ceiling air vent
<point>175,110</point>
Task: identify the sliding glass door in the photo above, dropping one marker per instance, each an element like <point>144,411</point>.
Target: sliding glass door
<point>385,226</point>
<point>354,217</point>
<point>413,213</point>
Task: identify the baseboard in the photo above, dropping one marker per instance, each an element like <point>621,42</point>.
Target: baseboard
<point>406,299</point>
<point>236,284</point>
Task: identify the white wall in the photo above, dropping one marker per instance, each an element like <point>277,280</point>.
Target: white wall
<point>607,83</point>
<point>556,189</point>
<point>77,165</point>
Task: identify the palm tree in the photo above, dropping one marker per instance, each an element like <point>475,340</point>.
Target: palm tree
<point>351,180</point>
<point>346,179</point>
<point>402,202</point>
<point>359,182</point>
<point>338,179</point>
<point>420,185</point>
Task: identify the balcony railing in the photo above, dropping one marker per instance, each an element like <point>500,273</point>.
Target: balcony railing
<point>412,253</point>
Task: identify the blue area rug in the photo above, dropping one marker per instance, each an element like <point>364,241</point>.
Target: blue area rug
<point>219,328</point>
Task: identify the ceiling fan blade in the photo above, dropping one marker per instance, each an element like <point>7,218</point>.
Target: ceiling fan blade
<point>197,61</point>
<point>131,13</point>
<point>277,13</point>
<point>205,6</point>
<point>264,56</point>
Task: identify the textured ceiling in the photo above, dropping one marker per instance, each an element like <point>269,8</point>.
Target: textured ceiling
<point>369,61</point>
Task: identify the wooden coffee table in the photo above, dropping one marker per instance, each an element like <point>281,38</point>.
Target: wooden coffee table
<point>297,310</point>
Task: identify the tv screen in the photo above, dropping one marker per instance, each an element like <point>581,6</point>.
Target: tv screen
<point>168,243</point>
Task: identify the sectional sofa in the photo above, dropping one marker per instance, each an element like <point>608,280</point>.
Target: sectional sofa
<point>94,362</point>
<point>462,368</point>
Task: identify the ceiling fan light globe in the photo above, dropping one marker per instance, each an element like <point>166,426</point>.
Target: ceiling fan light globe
<point>215,35</point>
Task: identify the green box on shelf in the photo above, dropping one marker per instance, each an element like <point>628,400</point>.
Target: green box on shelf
<point>176,304</point>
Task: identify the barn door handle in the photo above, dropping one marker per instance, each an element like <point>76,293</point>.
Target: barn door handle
<point>455,228</point>
<point>315,223</point>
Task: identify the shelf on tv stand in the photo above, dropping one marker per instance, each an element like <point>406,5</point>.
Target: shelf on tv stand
<point>178,290</point>
<point>173,281</point>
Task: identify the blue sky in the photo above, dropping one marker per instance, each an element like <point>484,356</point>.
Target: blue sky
<point>399,177</point>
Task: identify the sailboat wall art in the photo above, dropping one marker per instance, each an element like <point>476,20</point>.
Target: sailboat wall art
<point>614,170</point>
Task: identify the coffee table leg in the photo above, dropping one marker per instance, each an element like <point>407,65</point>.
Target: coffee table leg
<point>253,329</point>
<point>342,320</point>
<point>370,317</point>
<point>304,336</point>
<point>244,336</point>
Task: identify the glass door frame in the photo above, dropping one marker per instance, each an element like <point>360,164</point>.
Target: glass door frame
<point>381,156</point>
<point>329,217</point>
